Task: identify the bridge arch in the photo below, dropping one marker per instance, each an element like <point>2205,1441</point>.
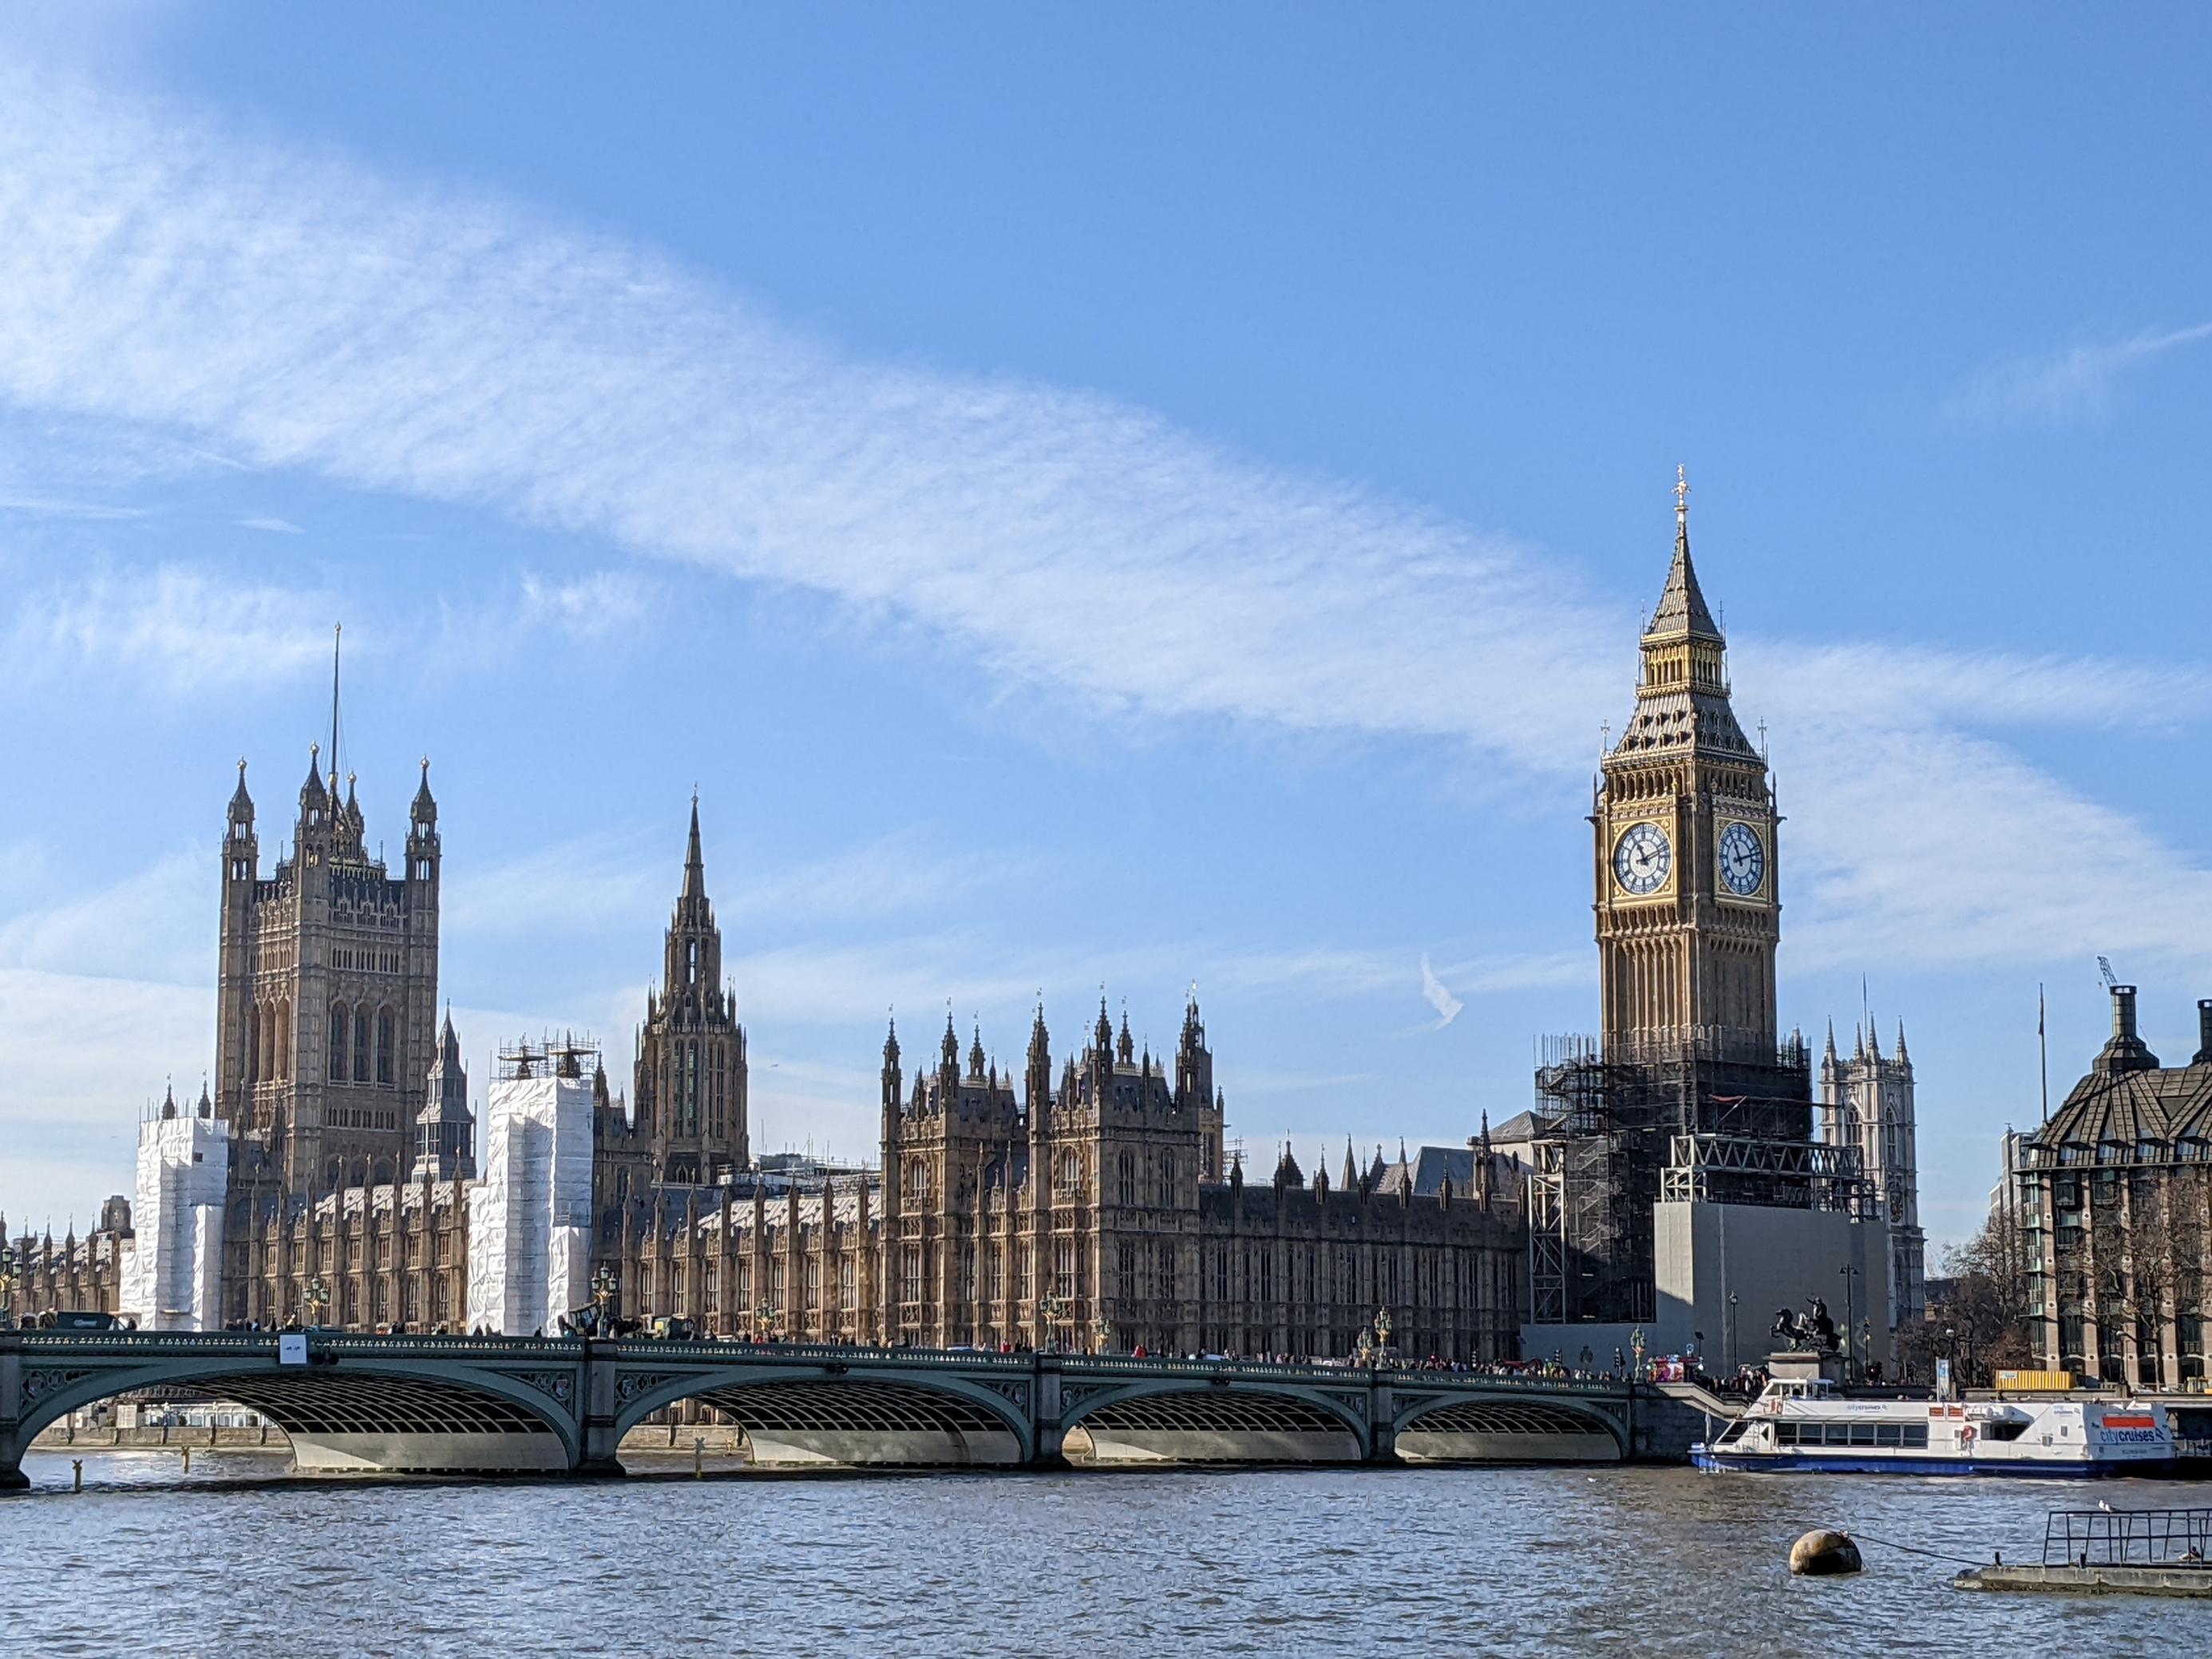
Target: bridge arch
<point>1499,1427</point>
<point>838,1413</point>
<point>358,1415</point>
<point>1217,1419</point>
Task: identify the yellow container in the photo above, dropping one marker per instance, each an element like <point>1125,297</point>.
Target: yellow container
<point>2036,1381</point>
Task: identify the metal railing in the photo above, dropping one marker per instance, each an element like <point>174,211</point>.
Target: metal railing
<point>2122,1538</point>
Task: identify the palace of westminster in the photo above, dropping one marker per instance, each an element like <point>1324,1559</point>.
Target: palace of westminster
<point>329,1172</point>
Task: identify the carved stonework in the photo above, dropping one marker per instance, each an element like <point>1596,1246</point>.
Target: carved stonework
<point>630,1384</point>
<point>558,1385</point>
<point>1017,1394</point>
<point>40,1383</point>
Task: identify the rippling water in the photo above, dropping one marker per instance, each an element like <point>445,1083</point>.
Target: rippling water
<point>149,1560</point>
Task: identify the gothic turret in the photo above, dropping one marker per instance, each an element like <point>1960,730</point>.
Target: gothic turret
<point>691,1068</point>
<point>445,1130</point>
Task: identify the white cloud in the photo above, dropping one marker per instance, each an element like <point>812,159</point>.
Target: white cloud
<point>150,926</point>
<point>170,628</point>
<point>2076,383</point>
<point>273,526</point>
<point>166,276</point>
<point>1440,998</point>
<point>588,607</point>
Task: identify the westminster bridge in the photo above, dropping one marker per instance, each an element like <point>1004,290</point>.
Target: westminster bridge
<point>555,1405</point>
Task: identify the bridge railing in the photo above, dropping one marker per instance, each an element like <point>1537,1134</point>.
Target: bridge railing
<point>729,1349</point>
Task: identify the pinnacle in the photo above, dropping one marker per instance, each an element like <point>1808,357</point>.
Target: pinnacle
<point>1682,611</point>
<point>695,866</point>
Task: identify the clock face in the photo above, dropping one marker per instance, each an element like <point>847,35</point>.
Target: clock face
<point>1743,861</point>
<point>1641,858</point>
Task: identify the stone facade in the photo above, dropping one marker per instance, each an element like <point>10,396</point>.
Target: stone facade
<point>2114,1204</point>
<point>327,993</point>
<point>1091,1205</point>
<point>1867,1102</point>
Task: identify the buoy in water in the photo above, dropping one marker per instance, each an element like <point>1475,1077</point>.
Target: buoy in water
<point>1822,1553</point>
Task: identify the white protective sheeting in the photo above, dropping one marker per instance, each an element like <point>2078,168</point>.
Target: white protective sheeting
<point>530,1216</point>
<point>172,1267</point>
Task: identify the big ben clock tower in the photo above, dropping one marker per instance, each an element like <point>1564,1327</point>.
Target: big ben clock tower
<point>1688,915</point>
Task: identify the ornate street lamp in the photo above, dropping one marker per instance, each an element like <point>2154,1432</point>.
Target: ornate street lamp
<point>318,1295</point>
<point>1635,1352</point>
<point>764,1318</point>
<point>1052,1309</point>
<point>1102,1334</point>
<point>1382,1330</point>
<point>8,1263</point>
<point>605,1282</point>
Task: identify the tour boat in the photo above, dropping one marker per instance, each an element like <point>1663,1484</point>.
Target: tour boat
<point>1810,1424</point>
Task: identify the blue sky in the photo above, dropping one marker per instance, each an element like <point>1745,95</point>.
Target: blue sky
<point>1136,496</point>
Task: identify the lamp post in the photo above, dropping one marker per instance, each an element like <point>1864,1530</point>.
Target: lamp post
<point>8,1265</point>
<point>1101,1334</point>
<point>1731,1359</point>
<point>1849,1274</point>
<point>605,1282</point>
<point>763,1318</point>
<point>318,1295</point>
<point>1382,1329</point>
<point>1052,1309</point>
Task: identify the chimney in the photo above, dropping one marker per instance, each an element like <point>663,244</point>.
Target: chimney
<point>2203,1054</point>
<point>2126,1052</point>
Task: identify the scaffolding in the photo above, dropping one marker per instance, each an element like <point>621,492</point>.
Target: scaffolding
<point>1703,1117</point>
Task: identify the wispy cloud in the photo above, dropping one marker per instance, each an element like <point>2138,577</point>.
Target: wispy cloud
<point>272,527</point>
<point>170,628</point>
<point>589,607</point>
<point>1440,998</point>
<point>166,277</point>
<point>2076,383</point>
<point>150,926</point>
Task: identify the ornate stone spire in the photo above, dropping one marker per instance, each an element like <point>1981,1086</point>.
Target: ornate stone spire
<point>694,865</point>
<point>1682,613</point>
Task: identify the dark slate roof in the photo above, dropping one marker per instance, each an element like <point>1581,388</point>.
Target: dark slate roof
<point>1681,604</point>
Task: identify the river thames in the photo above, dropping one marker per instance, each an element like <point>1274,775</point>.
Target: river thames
<point>149,1560</point>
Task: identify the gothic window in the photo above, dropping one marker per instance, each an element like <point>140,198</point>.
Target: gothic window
<point>253,1051</point>
<point>1167,1181</point>
<point>338,1043</point>
<point>283,1068</point>
<point>1063,1268</point>
<point>968,1272</point>
<point>994,1276</point>
<point>386,1034</point>
<point>1126,1260</point>
<point>1125,1183</point>
<point>1022,1273</point>
<point>1071,1172</point>
<point>849,1296</point>
<point>361,1035</point>
<point>917,1183</point>
<point>1221,1275</point>
<point>910,1276</point>
<point>775,1281</point>
<point>1164,1263</point>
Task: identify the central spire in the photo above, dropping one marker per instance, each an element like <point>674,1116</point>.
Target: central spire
<point>695,866</point>
<point>1682,613</point>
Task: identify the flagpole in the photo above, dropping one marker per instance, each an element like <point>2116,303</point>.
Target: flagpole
<point>2043,1051</point>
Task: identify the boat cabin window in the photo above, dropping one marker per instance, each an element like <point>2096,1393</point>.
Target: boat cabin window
<point>1906,1436</point>
<point>2003,1430</point>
